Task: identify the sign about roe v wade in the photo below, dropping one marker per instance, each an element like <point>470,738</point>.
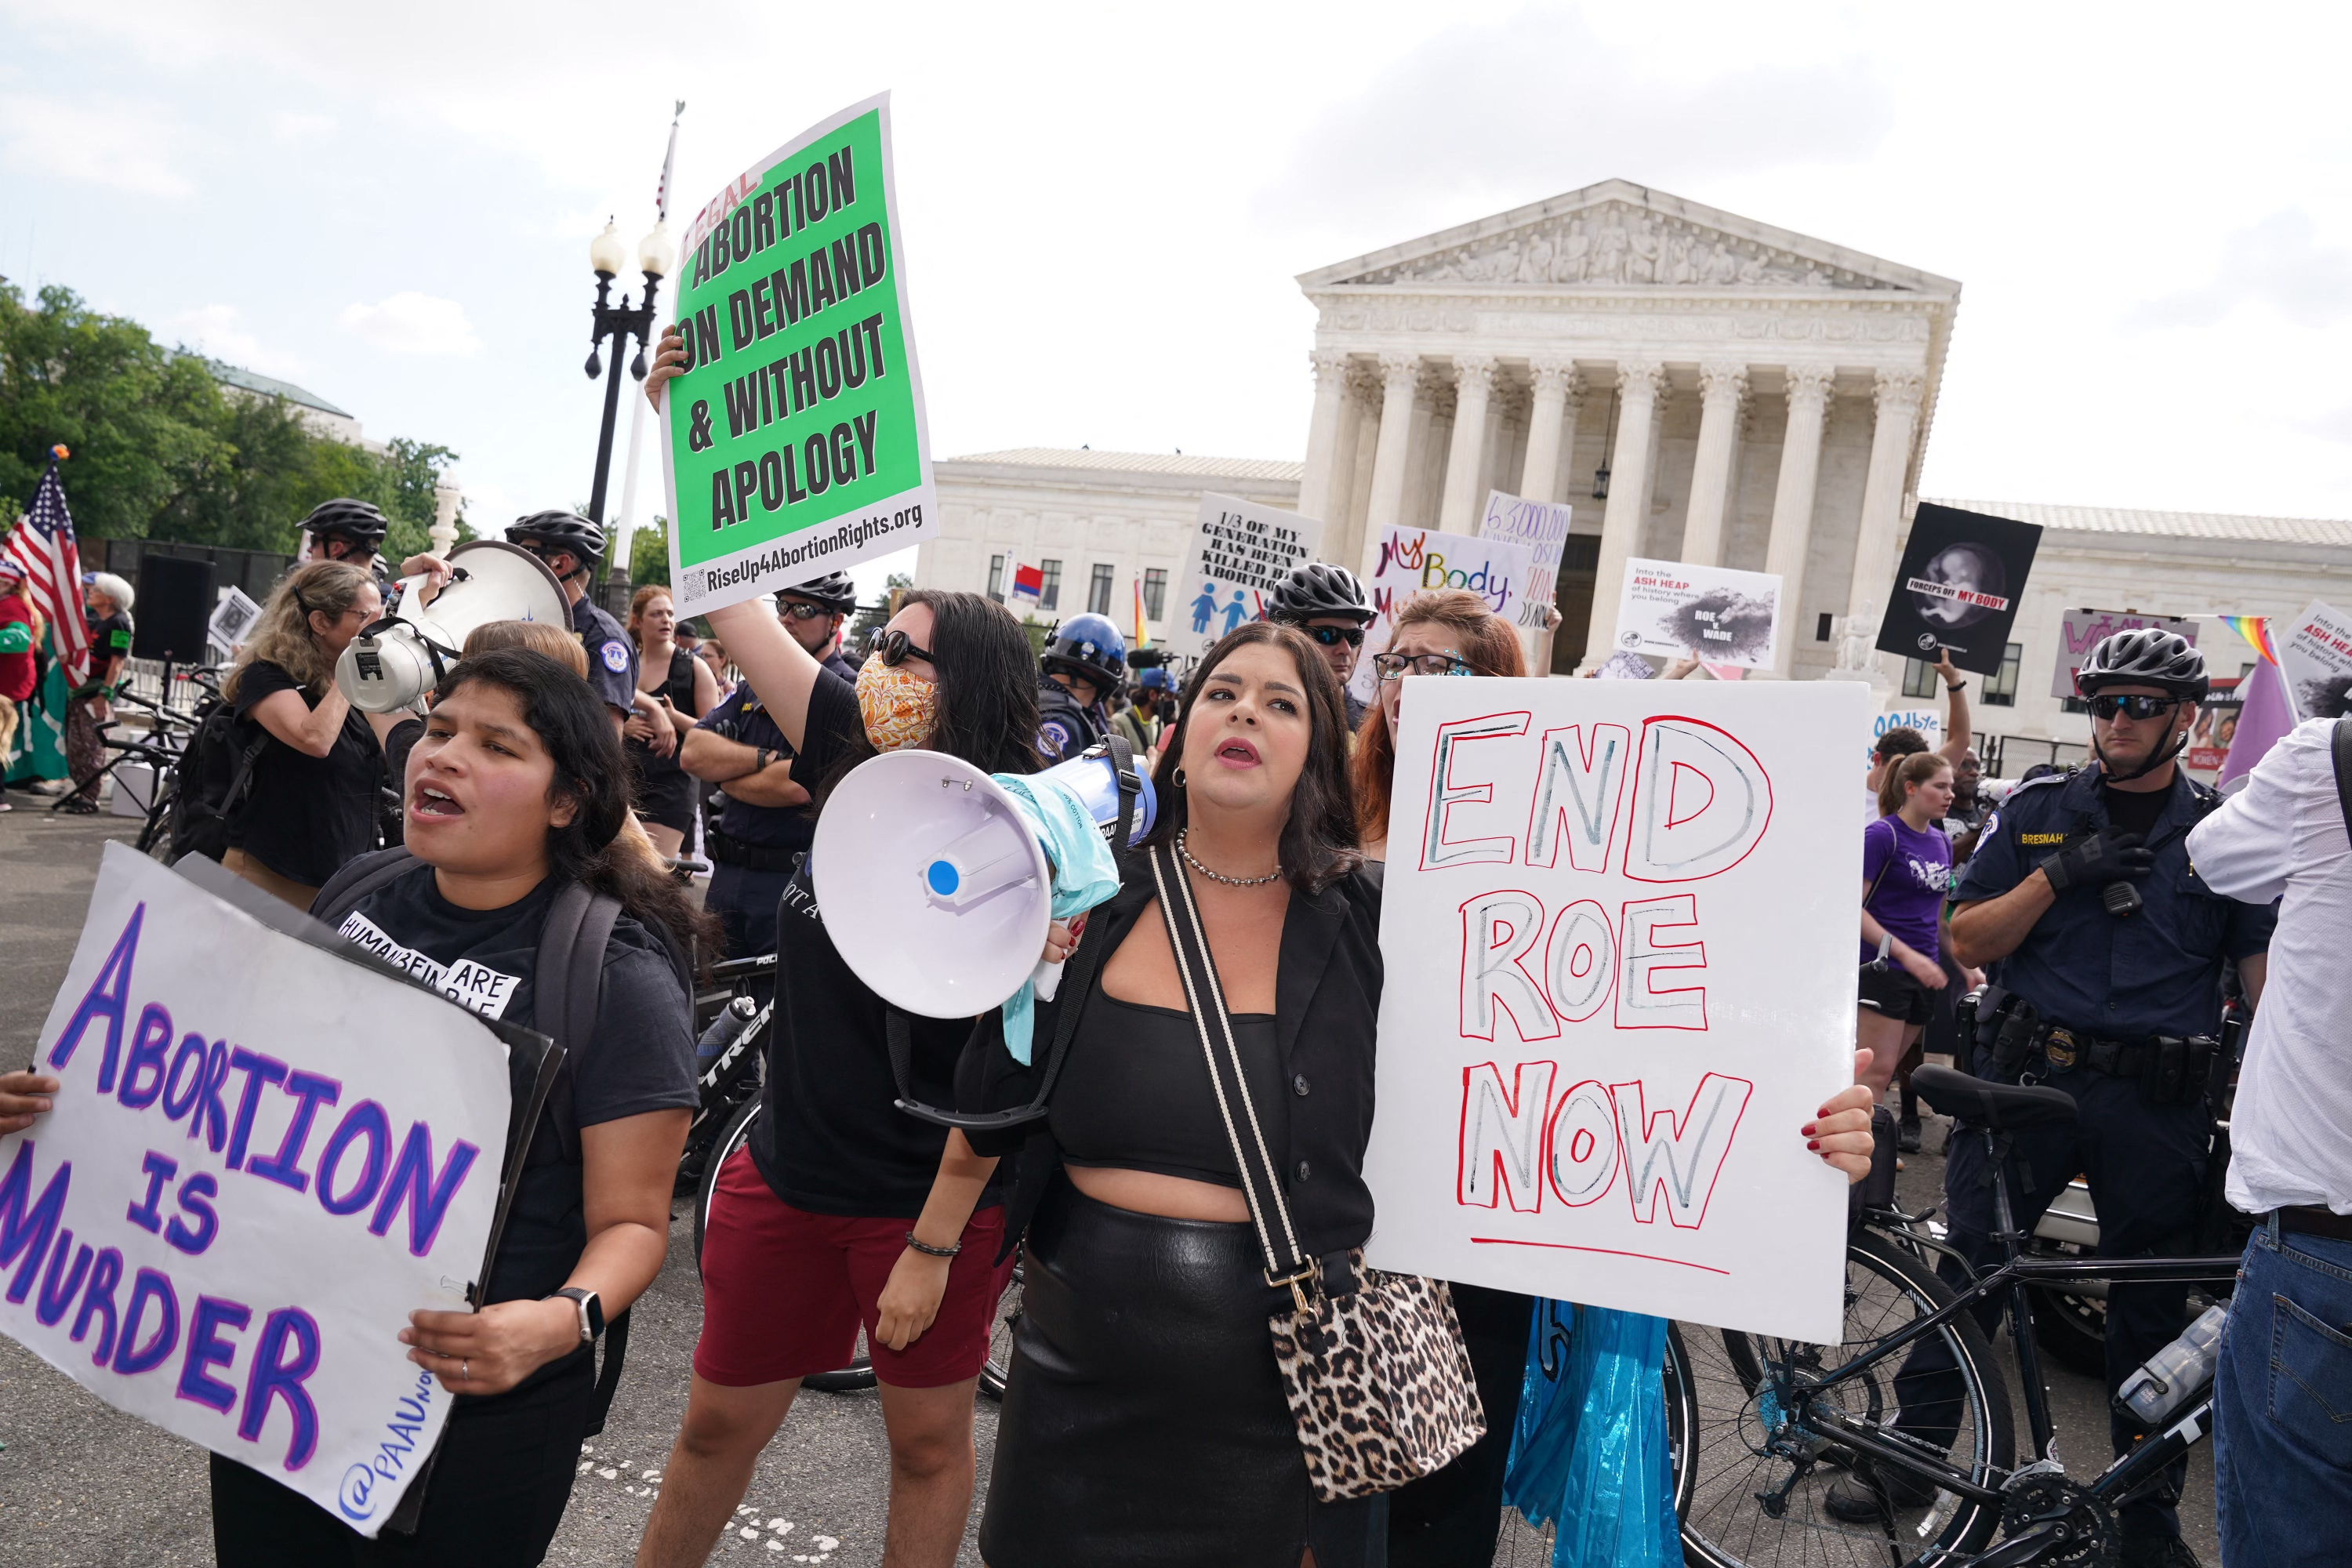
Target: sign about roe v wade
<point>1619,934</point>
<point>1416,561</point>
<point>794,442</point>
<point>262,1159</point>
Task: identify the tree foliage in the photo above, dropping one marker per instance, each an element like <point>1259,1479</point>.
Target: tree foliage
<point>160,450</point>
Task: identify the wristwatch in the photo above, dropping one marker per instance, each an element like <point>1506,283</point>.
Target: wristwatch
<point>766,756</point>
<point>592,1311</point>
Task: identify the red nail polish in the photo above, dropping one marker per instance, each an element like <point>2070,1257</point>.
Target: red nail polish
<point>1812,1143</point>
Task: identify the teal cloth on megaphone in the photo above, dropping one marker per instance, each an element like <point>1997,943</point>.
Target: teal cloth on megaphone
<point>1085,874</point>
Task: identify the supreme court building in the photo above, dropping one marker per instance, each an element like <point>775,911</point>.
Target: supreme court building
<point>1697,387</point>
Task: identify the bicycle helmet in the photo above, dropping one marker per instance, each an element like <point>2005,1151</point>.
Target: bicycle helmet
<point>1089,648</point>
<point>834,591</point>
<point>1317,589</point>
<point>344,518</point>
<point>565,529</point>
<point>2145,657</point>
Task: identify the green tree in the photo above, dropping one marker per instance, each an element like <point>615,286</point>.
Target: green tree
<point>649,554</point>
<point>872,618</point>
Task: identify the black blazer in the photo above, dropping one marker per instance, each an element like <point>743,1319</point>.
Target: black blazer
<point>1326,1010</point>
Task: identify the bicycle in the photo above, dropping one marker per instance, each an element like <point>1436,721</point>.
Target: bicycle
<point>1759,1430</point>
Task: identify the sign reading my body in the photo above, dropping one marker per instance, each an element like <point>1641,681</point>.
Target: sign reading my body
<point>1696,803</point>
<point>357,1170</point>
<point>807,372</point>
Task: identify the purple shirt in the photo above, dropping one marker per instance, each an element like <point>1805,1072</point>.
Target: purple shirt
<point>1917,867</point>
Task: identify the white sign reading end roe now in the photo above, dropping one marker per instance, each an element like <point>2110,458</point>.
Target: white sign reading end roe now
<point>1620,940</point>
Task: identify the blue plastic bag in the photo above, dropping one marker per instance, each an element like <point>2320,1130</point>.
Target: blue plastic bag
<point>1589,1449</point>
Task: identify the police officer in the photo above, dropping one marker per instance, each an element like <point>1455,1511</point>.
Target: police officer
<point>1085,663</point>
<point>345,529</point>
<point>1328,604</point>
<point>570,545</point>
<point>762,829</point>
<point>2107,955</point>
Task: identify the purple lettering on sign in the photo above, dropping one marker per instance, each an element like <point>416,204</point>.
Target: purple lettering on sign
<point>278,1374</point>
<point>108,997</point>
<point>410,1176</point>
<point>259,1070</point>
<point>310,1091</point>
<point>177,1101</point>
<point>148,1043</point>
<point>26,1235</point>
<point>159,1169</point>
<point>193,1195</point>
<point>207,1350</point>
<point>131,1358</point>
<point>55,1297</point>
<point>99,1297</point>
<point>366,1120</point>
<point>211,1121</point>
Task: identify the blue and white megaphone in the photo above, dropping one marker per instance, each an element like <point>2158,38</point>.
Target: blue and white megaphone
<point>933,885</point>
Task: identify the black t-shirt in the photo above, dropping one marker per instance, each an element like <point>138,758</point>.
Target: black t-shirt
<point>830,1138</point>
<point>306,815</point>
<point>2134,811</point>
<point>743,719</point>
<point>678,686</point>
<point>639,1057</point>
<point>109,639</point>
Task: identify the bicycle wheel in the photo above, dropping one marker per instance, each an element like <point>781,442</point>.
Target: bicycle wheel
<point>1752,1481</point>
<point>999,1339</point>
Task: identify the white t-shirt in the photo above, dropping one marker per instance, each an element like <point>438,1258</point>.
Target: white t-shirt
<point>2284,837</point>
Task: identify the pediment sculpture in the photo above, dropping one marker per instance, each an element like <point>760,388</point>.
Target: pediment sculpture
<point>1617,242</point>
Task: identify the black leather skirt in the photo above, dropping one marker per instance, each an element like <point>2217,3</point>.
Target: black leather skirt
<point>1145,1425</point>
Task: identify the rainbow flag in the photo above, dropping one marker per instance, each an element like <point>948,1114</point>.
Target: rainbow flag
<point>2256,630</point>
<point>1142,634</point>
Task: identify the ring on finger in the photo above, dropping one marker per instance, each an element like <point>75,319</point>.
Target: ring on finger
<point>465,1370</point>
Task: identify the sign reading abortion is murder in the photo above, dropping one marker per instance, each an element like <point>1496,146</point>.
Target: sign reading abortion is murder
<point>795,443</point>
<point>1240,552</point>
<point>1619,980</point>
<point>262,1158</point>
<point>1710,613</point>
<point>1414,561</point>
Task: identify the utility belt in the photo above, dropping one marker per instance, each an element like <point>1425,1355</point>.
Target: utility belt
<point>2010,1034</point>
<point>729,851</point>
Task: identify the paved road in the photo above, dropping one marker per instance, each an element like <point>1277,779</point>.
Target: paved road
<point>80,1485</point>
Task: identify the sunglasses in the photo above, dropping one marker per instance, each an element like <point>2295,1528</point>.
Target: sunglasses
<point>1397,666</point>
<point>800,610</point>
<point>2139,705</point>
<point>1330,636</point>
<point>895,648</point>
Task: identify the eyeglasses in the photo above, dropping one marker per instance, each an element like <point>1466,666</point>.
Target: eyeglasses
<point>1397,666</point>
<point>2139,705</point>
<point>895,648</point>
<point>800,610</point>
<point>1326,635</point>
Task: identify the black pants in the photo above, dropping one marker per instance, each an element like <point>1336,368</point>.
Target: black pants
<point>1454,1516</point>
<point>745,902</point>
<point>2147,1168</point>
<point>496,1491</point>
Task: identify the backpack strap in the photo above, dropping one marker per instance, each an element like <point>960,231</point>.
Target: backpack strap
<point>2340,746</point>
<point>1130,787</point>
<point>349,887</point>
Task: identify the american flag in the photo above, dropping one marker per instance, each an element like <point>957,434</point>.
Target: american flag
<point>43,544</point>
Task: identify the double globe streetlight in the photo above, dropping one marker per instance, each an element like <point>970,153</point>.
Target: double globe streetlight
<point>656,255</point>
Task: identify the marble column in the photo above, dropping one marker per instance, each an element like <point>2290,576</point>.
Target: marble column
<point>1551,424</point>
<point>1721,388</point>
<point>1899,393</point>
<point>1315,485</point>
<point>1793,501</point>
<point>1474,387</point>
<point>1342,510</point>
<point>1399,374</point>
<point>1639,383</point>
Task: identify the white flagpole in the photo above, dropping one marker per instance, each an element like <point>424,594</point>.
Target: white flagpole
<point>625,533</point>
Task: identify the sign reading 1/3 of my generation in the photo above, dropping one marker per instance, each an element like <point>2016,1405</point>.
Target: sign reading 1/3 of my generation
<point>795,440</point>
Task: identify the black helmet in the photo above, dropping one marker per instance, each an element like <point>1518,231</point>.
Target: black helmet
<point>834,591</point>
<point>344,518</point>
<point>2145,657</point>
<point>1089,648</point>
<point>565,529</point>
<point>1318,589</point>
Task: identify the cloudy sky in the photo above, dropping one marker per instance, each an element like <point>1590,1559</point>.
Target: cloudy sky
<point>1103,207</point>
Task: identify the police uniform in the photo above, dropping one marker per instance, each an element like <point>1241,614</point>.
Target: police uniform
<point>1065,727</point>
<point>2127,1007</point>
<point>612,656</point>
<point>754,850</point>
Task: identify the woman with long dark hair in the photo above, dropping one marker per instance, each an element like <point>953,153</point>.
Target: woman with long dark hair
<point>515,792</point>
<point>686,691</point>
<point>842,1211</point>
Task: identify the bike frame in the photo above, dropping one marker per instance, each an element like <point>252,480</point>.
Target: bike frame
<point>2146,1459</point>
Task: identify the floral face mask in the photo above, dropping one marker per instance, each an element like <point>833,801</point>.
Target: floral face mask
<point>897,706</point>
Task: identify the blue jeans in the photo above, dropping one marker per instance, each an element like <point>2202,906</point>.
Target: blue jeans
<point>2283,1404</point>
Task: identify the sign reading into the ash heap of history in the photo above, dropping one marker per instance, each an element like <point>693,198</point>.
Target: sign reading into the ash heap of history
<point>794,441</point>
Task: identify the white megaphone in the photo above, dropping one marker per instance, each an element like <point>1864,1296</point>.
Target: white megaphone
<point>933,887</point>
<point>393,663</point>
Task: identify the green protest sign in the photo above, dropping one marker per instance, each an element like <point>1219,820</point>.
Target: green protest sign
<point>794,441</point>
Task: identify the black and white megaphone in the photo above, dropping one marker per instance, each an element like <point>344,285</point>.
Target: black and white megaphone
<point>393,663</point>
<point>934,889</point>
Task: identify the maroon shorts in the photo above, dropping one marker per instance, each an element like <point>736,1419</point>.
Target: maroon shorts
<point>784,1292</point>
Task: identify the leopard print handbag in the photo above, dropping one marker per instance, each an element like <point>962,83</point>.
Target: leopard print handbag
<point>1373,1365</point>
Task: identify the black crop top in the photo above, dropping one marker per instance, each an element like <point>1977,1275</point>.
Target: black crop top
<point>1135,1092</point>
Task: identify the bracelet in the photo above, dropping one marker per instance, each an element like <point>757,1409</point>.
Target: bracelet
<point>1957,685</point>
<point>928,1250</point>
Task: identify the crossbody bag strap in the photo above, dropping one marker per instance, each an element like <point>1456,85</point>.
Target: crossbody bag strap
<point>2340,746</point>
<point>1286,1263</point>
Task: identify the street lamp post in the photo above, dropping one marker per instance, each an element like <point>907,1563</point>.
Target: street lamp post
<point>621,322</point>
